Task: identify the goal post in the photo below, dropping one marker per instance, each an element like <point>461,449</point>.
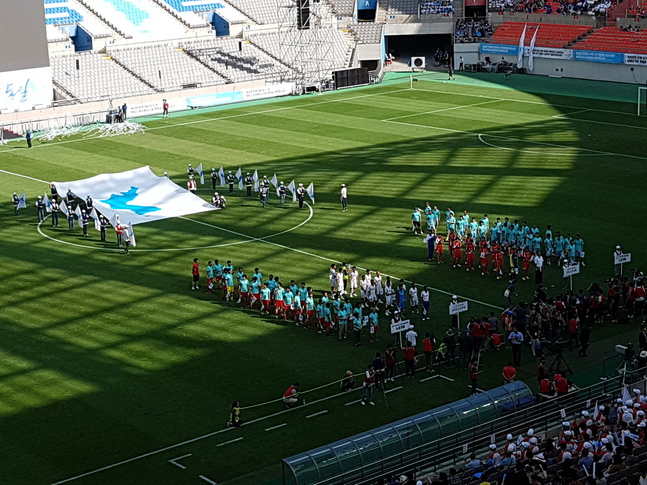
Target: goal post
<point>642,100</point>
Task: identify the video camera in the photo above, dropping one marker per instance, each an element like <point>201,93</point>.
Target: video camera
<point>556,346</point>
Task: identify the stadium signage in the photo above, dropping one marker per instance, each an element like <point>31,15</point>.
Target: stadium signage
<point>228,97</point>
<point>635,59</point>
<point>567,54</point>
<point>400,326</point>
<point>599,56</point>
<point>456,308</point>
<point>550,53</point>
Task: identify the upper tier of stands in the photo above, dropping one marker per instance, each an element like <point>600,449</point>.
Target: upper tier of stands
<point>471,30</point>
<point>166,67</point>
<point>613,39</point>
<point>367,32</point>
<point>562,7</point>
<point>443,8</point>
<point>549,35</point>
<point>97,75</point>
<point>61,14</point>
<point>343,8</point>
<point>226,58</point>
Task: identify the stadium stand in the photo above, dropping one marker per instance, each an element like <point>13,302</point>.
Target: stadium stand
<point>337,56</point>
<point>188,12</point>
<point>343,8</point>
<point>56,34</point>
<point>437,7</point>
<point>61,15</point>
<point>550,35</point>
<point>165,67</point>
<point>225,57</point>
<point>266,12</point>
<point>367,32</point>
<point>614,39</point>
<point>562,7</point>
<point>403,7</point>
<point>471,30</point>
<point>96,73</point>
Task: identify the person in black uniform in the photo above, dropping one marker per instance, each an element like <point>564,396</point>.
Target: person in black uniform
<point>282,192</point>
<point>190,170</point>
<point>214,178</point>
<point>53,191</point>
<point>84,221</point>
<point>231,179</point>
<point>301,195</point>
<point>28,137</point>
<point>16,201</point>
<point>70,218</point>
<point>88,204</point>
<point>69,198</point>
<point>103,225</point>
<point>54,208</point>
<point>40,209</point>
<point>249,183</point>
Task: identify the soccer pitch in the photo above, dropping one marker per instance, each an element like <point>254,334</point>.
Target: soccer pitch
<point>113,371</point>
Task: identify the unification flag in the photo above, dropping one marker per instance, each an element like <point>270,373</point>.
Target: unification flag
<point>275,181</point>
<point>78,212</point>
<point>293,190</point>
<point>137,195</point>
<point>63,207</point>
<point>22,201</point>
<point>239,177</point>
<point>97,224</point>
<point>131,230</point>
<point>531,57</point>
<point>522,41</point>
<point>114,220</point>
<point>221,175</point>
<point>255,178</point>
<point>200,171</point>
<point>311,191</point>
<point>48,204</point>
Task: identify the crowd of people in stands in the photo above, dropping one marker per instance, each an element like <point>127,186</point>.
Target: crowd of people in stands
<point>604,445</point>
<point>631,28</point>
<point>437,7</point>
<point>472,30</point>
<point>563,7</point>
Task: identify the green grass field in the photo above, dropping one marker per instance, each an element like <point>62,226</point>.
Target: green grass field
<point>108,361</point>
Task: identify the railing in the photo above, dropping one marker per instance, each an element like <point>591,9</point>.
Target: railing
<point>449,450</point>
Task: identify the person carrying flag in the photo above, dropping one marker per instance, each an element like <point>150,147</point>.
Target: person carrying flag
<point>70,218</point>
<point>119,230</point>
<point>103,225</point>
<point>301,191</point>
<point>249,183</point>
<point>40,209</point>
<point>214,179</point>
<point>84,220</point>
<point>231,179</point>
<point>16,200</point>
<point>282,190</point>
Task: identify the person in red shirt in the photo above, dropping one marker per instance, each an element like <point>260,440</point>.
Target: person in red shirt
<point>484,259</point>
<point>164,108</point>
<point>546,387</point>
<point>474,373</point>
<point>428,349</point>
<point>195,271</point>
<point>497,261</point>
<point>470,254</point>
<point>561,385</point>
<point>456,252</point>
<point>439,249</point>
<point>410,360</point>
<point>527,259</point>
<point>573,327</point>
<point>291,396</point>
<point>509,373</point>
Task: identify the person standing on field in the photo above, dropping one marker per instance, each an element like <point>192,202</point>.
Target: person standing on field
<point>344,197</point>
<point>195,271</point>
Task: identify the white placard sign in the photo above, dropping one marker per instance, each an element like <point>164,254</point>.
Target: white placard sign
<point>622,258</point>
<point>456,308</point>
<point>572,269</point>
<point>400,326</point>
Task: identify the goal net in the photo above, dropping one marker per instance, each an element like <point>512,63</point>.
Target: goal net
<point>642,100</point>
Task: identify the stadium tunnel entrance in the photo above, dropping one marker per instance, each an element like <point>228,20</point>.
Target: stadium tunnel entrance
<point>405,47</point>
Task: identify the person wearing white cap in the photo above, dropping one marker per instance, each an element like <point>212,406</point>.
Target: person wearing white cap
<point>301,194</point>
<point>231,179</point>
<point>16,202</point>
<point>282,190</point>
<point>494,458</point>
<point>40,209</point>
<point>214,179</point>
<point>249,183</point>
<point>192,185</point>
<point>344,197</point>
<point>617,267</point>
<point>190,170</point>
<point>510,446</point>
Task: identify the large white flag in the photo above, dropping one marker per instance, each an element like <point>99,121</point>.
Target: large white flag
<point>63,207</point>
<point>97,224</point>
<point>137,195</point>
<point>311,191</point>
<point>531,57</point>
<point>221,175</point>
<point>131,231</point>
<point>275,181</point>
<point>48,204</point>
<point>522,41</point>
<point>200,171</point>
<point>292,188</point>
<point>239,177</point>
<point>255,177</point>
<point>93,214</point>
<point>78,212</point>
<point>22,201</point>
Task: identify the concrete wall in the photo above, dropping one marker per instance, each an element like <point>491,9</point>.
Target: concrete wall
<point>469,52</point>
<point>369,52</point>
<point>418,29</point>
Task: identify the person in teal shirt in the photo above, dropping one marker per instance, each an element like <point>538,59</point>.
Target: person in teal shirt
<point>578,247</point>
<point>217,272</point>
<point>258,275</point>
<point>430,221</point>
<point>415,221</point>
<point>239,274</point>
<point>288,301</point>
<point>451,223</point>
<point>228,281</point>
<point>327,316</point>
<point>265,297</point>
<point>243,290</point>
<point>474,227</point>
<point>310,310</point>
<point>342,321</point>
<point>357,329</point>
<point>559,247</point>
<point>210,274</point>
<point>373,321</point>
<point>278,293</point>
<point>436,213</point>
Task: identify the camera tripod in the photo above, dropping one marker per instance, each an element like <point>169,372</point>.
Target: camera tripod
<point>557,363</point>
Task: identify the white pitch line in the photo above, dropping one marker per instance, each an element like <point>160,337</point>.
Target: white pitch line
<point>561,116</point>
<point>174,461</point>
<point>446,378</point>
<point>429,378</point>
<point>317,414</point>
<point>211,482</point>
<point>391,390</point>
<point>352,402</point>
<point>23,176</point>
<point>463,132</point>
<point>535,152</point>
<point>229,442</point>
<point>478,388</point>
<point>276,427</point>
<point>443,109</point>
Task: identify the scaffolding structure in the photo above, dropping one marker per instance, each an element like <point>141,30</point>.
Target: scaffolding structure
<point>306,41</point>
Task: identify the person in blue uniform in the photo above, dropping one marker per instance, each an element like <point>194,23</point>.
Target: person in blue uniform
<point>40,209</point>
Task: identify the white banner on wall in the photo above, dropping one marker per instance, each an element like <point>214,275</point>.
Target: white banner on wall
<point>550,53</point>
<point>156,107</point>
<point>228,97</point>
<point>26,89</point>
<point>635,59</point>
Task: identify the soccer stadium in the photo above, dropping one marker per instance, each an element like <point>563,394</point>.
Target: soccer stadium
<point>336,242</point>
